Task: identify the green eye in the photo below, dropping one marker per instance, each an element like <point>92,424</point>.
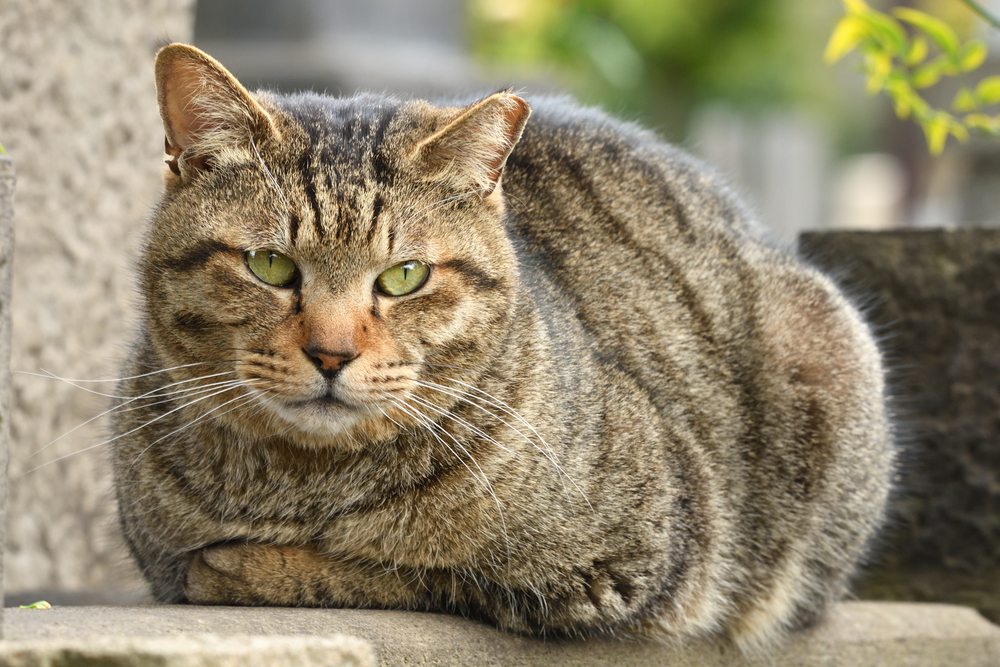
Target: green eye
<point>403,278</point>
<point>271,267</point>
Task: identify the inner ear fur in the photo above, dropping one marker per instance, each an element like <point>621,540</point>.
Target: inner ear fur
<point>472,148</point>
<point>205,110</point>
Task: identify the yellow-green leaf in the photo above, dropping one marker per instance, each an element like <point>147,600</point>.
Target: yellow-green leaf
<point>845,38</point>
<point>904,98</point>
<point>973,56</point>
<point>890,34</point>
<point>920,107</point>
<point>987,124</point>
<point>939,31</point>
<point>988,90</point>
<point>918,52</point>
<point>926,75</point>
<point>965,100</point>
<point>41,604</point>
<point>856,6</point>
<point>879,68</point>
<point>902,106</point>
<point>979,121</point>
<point>949,68</point>
<point>936,129</point>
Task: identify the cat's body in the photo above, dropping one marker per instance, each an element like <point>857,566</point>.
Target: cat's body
<point>610,408</point>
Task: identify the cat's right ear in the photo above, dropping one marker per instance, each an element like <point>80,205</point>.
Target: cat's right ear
<point>205,110</point>
<point>472,148</point>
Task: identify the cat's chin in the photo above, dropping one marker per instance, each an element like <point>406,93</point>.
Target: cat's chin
<point>322,417</point>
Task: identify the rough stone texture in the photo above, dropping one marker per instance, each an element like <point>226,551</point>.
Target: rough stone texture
<point>78,114</point>
<point>935,296</point>
<point>7,180</point>
<point>855,634</point>
<point>204,650</point>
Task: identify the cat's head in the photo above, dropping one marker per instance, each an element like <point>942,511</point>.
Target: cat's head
<point>326,260</point>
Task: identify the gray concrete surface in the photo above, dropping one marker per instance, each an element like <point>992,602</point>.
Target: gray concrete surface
<point>7,181</point>
<point>203,650</point>
<point>78,115</point>
<point>856,634</point>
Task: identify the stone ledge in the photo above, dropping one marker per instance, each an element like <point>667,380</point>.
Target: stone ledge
<point>183,650</point>
<point>856,633</point>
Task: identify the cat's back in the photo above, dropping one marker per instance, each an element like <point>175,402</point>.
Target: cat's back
<point>628,224</point>
<point>661,261</point>
<point>602,169</point>
<point>755,360</point>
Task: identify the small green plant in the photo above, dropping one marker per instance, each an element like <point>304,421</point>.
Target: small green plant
<point>900,62</point>
<point>2,151</point>
<point>41,604</point>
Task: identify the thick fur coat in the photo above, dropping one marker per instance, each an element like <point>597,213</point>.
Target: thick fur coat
<point>609,408</point>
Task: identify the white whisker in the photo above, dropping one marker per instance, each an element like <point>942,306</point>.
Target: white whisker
<point>122,435</point>
<point>429,424</point>
<point>247,399</point>
<point>74,383</point>
<point>386,415</point>
<point>149,394</point>
<point>130,377</point>
<point>467,424</point>
<point>545,450</point>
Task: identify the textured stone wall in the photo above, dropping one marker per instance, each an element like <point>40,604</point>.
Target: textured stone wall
<point>78,115</point>
<point>934,295</point>
<point>7,180</point>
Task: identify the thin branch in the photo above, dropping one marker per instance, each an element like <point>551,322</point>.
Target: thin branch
<point>982,11</point>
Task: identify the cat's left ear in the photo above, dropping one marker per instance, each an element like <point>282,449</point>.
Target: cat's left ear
<point>472,148</point>
<point>205,110</point>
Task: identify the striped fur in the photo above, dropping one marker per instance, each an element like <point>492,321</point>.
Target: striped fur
<point>612,408</point>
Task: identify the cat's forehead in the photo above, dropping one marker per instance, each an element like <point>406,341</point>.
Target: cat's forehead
<point>347,131</point>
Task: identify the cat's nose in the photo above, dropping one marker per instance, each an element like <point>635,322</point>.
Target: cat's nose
<point>328,363</point>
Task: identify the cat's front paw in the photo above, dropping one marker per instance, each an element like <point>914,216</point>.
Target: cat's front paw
<point>246,573</point>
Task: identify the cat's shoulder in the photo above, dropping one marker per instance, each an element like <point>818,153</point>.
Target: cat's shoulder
<point>561,117</point>
<point>562,130</point>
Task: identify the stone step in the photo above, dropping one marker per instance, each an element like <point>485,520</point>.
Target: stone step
<point>189,650</point>
<point>855,634</point>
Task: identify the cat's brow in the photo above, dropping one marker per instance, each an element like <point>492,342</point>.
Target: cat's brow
<point>473,273</point>
<point>196,256</point>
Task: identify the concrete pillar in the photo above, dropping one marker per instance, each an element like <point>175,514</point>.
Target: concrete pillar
<point>78,113</point>
<point>6,255</point>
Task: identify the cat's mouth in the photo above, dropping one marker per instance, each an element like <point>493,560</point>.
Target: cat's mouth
<point>328,400</point>
<point>326,413</point>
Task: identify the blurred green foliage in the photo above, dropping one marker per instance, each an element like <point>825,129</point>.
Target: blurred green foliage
<point>662,58</point>
<point>908,51</point>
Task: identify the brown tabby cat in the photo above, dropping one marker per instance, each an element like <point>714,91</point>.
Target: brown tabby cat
<point>543,373</point>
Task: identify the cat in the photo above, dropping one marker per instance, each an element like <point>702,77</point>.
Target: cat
<point>527,364</point>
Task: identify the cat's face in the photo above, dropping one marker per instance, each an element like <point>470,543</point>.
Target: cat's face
<point>316,263</point>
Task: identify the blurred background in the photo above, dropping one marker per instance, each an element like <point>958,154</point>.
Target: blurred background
<point>741,83</point>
